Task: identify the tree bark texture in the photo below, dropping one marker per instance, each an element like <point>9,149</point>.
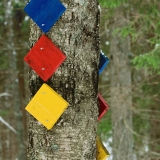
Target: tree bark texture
<point>121,99</point>
<point>74,136</point>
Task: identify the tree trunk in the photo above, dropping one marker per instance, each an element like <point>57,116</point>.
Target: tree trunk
<point>121,100</point>
<point>21,119</point>
<point>154,133</point>
<point>11,102</point>
<point>74,135</point>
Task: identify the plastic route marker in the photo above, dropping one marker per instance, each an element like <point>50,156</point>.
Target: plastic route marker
<point>45,13</point>
<point>103,62</point>
<point>102,152</point>
<point>47,106</point>
<point>103,106</point>
<point>44,58</point>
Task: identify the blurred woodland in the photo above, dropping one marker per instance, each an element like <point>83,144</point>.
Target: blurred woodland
<point>130,38</point>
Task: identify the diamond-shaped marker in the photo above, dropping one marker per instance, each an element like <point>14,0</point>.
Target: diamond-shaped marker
<point>102,152</point>
<point>45,12</point>
<point>44,58</point>
<point>47,106</point>
<point>103,106</point>
<point>103,62</point>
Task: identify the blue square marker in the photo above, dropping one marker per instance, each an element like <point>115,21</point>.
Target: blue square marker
<point>45,12</point>
<point>103,62</point>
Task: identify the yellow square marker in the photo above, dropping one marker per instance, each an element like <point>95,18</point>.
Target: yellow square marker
<point>102,152</point>
<point>47,106</point>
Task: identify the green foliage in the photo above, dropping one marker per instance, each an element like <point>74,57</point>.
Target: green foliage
<point>143,29</point>
<point>2,20</point>
<point>128,30</point>
<point>25,26</point>
<point>4,113</point>
<point>144,26</point>
<point>147,27</point>
<point>148,60</point>
<point>144,103</point>
<point>104,126</point>
<point>18,4</point>
<point>1,13</point>
<point>112,3</point>
<point>3,61</point>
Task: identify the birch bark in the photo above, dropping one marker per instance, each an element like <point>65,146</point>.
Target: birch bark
<point>74,136</point>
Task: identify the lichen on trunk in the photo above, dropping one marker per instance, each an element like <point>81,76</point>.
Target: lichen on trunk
<point>73,137</point>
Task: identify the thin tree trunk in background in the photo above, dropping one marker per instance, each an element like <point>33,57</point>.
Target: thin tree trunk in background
<point>121,99</point>
<point>76,80</point>
<point>154,133</point>
<point>22,116</point>
<point>10,147</point>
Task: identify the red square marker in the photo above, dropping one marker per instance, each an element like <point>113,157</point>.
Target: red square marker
<point>44,58</point>
<point>103,106</point>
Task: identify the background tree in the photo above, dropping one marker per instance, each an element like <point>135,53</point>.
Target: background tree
<point>13,47</point>
<point>142,28</point>
<point>76,80</point>
<point>121,99</point>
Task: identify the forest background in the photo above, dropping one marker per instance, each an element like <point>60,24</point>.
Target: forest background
<point>135,24</point>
